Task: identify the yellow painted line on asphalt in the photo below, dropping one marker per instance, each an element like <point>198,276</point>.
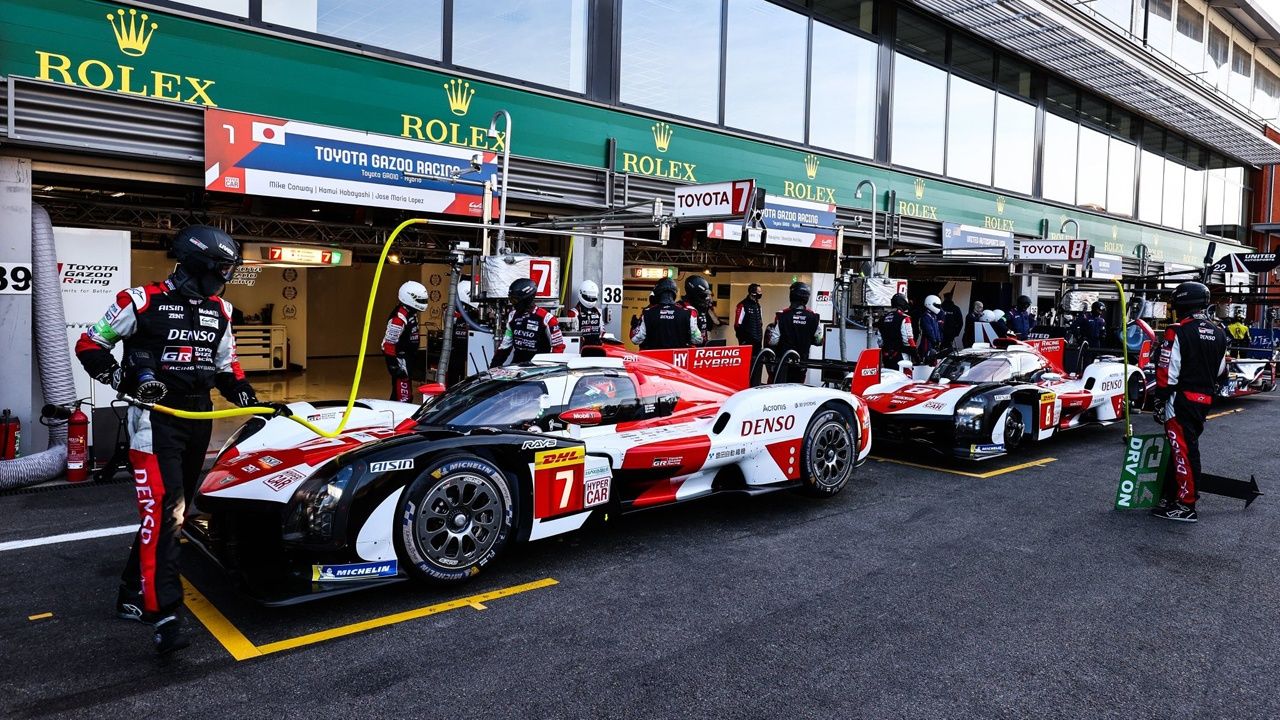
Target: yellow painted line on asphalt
<point>217,624</point>
<point>242,649</point>
<point>980,476</point>
<point>1224,412</point>
<point>40,616</point>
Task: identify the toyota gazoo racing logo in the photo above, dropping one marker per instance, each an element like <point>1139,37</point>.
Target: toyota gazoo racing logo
<point>177,354</point>
<point>80,274</point>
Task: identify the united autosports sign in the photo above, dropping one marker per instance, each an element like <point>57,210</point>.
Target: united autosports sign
<point>258,155</point>
<point>1247,262</point>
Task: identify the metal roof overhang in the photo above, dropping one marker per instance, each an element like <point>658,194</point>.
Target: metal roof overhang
<point>1113,68</point>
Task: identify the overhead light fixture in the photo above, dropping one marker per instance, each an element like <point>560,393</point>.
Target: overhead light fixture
<point>393,258</point>
<point>117,194</point>
<point>315,210</point>
<point>48,188</point>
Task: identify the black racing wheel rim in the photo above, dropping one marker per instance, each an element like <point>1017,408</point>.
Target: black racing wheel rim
<point>460,520</point>
<point>831,454</point>
<point>1014,428</point>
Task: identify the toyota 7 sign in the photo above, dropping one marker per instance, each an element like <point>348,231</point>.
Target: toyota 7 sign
<point>714,199</point>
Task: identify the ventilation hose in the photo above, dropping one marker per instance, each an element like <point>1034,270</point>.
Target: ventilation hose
<point>56,383</point>
<point>355,383</point>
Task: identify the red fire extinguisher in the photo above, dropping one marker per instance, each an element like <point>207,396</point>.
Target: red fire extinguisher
<point>78,446</point>
<point>10,436</point>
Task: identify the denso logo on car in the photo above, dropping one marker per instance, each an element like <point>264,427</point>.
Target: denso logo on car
<point>768,425</point>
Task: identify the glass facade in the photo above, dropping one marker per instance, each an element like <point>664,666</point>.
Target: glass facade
<point>497,36</point>
<point>650,75</point>
<point>809,72</point>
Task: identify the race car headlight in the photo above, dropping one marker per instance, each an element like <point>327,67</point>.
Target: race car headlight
<point>314,516</point>
<point>969,418</point>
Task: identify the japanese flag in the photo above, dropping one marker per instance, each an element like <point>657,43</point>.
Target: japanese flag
<point>268,133</point>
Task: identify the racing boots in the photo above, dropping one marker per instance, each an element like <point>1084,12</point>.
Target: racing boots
<point>168,635</point>
<point>1176,511</point>
<point>129,605</point>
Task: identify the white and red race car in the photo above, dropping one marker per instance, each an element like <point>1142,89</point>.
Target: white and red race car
<point>983,402</point>
<point>512,454</point>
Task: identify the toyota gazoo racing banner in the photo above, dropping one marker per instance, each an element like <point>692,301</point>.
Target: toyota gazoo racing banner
<point>727,365</point>
<point>794,223</point>
<point>258,155</point>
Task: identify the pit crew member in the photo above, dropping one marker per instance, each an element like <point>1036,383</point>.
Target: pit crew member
<point>400,341</point>
<point>795,328</point>
<point>666,325</point>
<point>530,329</point>
<point>896,338</point>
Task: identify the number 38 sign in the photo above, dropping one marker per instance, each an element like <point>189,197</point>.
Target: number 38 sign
<point>15,279</point>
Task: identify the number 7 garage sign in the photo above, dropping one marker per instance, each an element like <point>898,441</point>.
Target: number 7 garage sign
<point>258,155</point>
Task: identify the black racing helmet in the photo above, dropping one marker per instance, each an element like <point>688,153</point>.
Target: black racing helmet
<point>899,301</point>
<point>207,259</point>
<point>1190,297</point>
<point>800,293</point>
<point>1024,302</point>
<point>664,291</point>
<point>697,289</point>
<point>522,292</point>
<point>1098,307</point>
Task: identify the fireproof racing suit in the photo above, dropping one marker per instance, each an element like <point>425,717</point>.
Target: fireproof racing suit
<point>1021,322</point>
<point>187,345</point>
<point>590,323</point>
<point>1192,358</point>
<point>667,326</point>
<point>930,337</point>
<point>796,328</point>
<point>529,333</point>
<point>457,371</point>
<point>896,338</point>
<point>400,349</point>
<point>703,317</point>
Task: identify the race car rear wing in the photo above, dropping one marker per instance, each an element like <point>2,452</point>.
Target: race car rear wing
<point>867,372</point>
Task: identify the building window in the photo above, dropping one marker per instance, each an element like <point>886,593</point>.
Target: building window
<point>1059,177</point>
<point>1233,198</point>
<point>1119,12</point>
<point>1014,77</point>
<point>1216,49</point>
<point>1266,93</point>
<point>860,14</point>
<point>1091,174</point>
<point>764,89</point>
<point>921,36</point>
<point>1175,177</point>
<point>1241,66</point>
<point>1150,187</point>
<point>671,56</point>
<point>412,27</point>
<point>970,123</point>
<point>1188,40</point>
<point>842,93</point>
<point>239,8</point>
<point>919,114</point>
<point>498,36</point>
<point>1121,159</point>
<point>1215,188</point>
<point>972,58</point>
<point>1015,144</point>
<point>1193,203</point>
<point>1160,26</point>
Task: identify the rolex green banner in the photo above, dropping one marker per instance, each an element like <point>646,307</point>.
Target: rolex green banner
<point>1145,460</point>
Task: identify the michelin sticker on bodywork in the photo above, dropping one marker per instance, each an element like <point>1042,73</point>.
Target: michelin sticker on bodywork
<point>353,571</point>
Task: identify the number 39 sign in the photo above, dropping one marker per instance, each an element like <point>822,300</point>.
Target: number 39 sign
<point>15,279</point>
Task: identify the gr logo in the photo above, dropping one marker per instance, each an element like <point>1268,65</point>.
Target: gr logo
<point>177,354</point>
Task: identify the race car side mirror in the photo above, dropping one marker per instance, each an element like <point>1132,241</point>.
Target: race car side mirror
<point>667,405</point>
<point>581,416</point>
<point>431,389</point>
<point>1051,377</point>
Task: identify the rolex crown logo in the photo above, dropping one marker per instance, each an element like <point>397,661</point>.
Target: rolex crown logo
<point>811,165</point>
<point>999,204</point>
<point>459,93</point>
<point>662,133</point>
<point>919,188</point>
<point>132,34</point>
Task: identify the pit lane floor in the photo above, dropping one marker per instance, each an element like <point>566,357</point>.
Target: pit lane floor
<point>915,593</point>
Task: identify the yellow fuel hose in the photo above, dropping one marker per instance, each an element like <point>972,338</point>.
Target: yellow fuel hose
<point>355,384</point>
<point>1124,348</point>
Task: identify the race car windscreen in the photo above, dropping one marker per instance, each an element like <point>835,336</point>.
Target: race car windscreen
<point>500,397</point>
<point>973,369</point>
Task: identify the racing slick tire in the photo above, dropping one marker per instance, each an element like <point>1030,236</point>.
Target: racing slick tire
<point>1137,391</point>
<point>454,519</point>
<point>1015,429</point>
<point>829,452</point>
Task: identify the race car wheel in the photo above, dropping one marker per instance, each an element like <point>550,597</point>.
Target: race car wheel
<point>454,519</point>
<point>1015,429</point>
<point>1137,391</point>
<point>829,452</point>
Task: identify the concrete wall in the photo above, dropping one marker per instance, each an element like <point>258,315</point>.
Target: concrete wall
<point>20,391</point>
<point>336,304</point>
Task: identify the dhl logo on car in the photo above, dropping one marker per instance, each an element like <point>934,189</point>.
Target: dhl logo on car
<point>560,457</point>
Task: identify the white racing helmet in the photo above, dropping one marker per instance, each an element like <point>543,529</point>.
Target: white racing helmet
<point>589,293</point>
<point>933,304</point>
<point>987,316</point>
<point>414,295</point>
<point>464,293</point>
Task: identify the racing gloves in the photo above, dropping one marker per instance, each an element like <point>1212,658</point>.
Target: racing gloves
<point>397,367</point>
